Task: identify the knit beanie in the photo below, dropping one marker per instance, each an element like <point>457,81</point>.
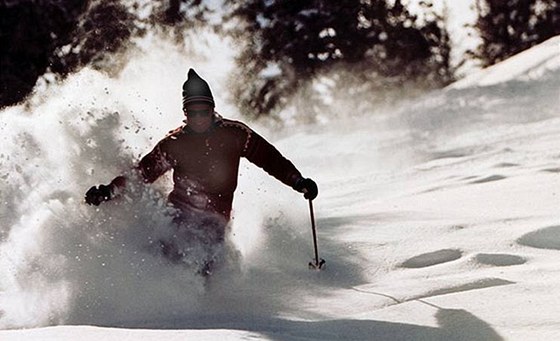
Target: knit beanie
<point>195,89</point>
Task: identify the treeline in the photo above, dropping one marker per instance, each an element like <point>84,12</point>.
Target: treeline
<point>374,46</point>
<point>358,47</point>
<point>60,37</point>
<point>507,27</point>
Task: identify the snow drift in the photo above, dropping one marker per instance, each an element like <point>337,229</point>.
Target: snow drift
<point>438,220</point>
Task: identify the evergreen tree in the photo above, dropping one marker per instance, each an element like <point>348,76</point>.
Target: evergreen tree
<point>30,31</point>
<point>287,43</point>
<point>63,36</point>
<point>508,27</point>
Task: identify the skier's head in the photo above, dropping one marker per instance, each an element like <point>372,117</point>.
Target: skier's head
<point>195,90</point>
<point>198,103</point>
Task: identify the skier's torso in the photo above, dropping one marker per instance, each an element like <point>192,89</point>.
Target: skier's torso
<point>205,166</point>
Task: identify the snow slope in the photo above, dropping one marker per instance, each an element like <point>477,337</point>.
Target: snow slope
<point>438,220</point>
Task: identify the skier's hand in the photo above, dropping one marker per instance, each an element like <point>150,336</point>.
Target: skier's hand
<point>308,187</point>
<point>97,195</point>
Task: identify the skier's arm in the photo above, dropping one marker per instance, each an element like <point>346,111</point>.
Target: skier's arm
<point>154,164</point>
<point>150,168</point>
<point>266,156</point>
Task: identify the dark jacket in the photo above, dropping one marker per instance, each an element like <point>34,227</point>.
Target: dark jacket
<point>205,165</point>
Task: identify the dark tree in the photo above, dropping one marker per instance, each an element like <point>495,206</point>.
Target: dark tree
<point>102,31</point>
<point>30,31</point>
<point>287,43</point>
<point>548,19</point>
<point>63,36</point>
<point>507,27</point>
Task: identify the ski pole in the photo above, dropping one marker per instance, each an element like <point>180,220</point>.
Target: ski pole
<point>318,262</point>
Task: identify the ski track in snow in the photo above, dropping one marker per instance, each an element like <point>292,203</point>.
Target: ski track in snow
<point>438,221</point>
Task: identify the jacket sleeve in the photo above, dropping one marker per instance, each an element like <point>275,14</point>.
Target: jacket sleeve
<point>266,156</point>
<point>154,164</point>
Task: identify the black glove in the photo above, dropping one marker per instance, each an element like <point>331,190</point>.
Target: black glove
<point>308,187</point>
<point>97,195</point>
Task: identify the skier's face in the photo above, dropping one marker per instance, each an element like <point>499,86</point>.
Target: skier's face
<point>199,116</point>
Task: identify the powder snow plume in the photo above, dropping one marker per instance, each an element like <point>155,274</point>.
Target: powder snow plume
<point>62,261</point>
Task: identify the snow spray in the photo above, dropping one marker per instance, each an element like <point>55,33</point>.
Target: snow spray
<point>64,262</point>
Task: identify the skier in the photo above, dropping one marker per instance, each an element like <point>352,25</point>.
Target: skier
<point>204,155</point>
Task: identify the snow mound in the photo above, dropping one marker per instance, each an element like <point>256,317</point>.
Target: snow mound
<point>529,64</point>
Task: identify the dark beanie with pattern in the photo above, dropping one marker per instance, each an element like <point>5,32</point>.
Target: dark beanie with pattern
<point>195,89</point>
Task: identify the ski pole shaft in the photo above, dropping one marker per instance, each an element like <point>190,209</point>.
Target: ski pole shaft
<point>314,229</point>
<point>318,262</point>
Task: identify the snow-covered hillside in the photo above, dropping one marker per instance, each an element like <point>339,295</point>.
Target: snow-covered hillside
<point>438,220</point>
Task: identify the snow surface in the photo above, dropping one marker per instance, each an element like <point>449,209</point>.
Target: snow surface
<point>438,220</point>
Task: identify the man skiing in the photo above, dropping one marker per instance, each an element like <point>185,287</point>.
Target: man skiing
<point>204,155</point>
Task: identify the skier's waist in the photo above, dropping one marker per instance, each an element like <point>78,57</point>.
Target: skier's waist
<point>185,199</point>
